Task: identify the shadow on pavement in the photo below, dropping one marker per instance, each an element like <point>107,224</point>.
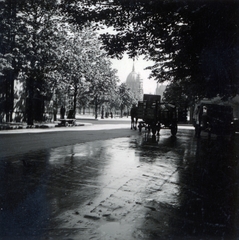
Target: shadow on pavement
<point>199,197</point>
<point>127,188</point>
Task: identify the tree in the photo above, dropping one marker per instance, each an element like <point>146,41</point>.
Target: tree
<point>8,63</point>
<point>86,70</point>
<point>175,94</point>
<point>125,97</point>
<point>41,47</point>
<point>28,35</point>
<point>102,81</point>
<point>206,50</point>
<point>37,43</point>
<point>194,43</point>
<point>73,53</point>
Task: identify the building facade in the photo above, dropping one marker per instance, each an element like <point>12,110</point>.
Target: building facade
<point>135,83</point>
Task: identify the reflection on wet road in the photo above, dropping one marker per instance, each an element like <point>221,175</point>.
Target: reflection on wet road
<point>126,188</point>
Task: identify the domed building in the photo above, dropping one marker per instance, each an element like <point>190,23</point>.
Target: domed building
<point>135,83</point>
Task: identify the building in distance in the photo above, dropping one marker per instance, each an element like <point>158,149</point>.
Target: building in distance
<point>135,83</point>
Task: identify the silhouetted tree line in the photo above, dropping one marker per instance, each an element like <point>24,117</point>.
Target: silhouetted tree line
<point>49,58</point>
<point>194,44</point>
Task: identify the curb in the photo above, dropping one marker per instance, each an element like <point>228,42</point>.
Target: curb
<point>16,126</point>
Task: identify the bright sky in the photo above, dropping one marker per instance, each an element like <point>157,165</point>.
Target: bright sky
<point>124,67</point>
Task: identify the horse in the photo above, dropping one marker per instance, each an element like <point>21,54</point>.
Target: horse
<point>134,117</point>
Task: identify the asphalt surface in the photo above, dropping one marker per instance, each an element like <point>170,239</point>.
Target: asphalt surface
<point>105,181</point>
<point>14,142</point>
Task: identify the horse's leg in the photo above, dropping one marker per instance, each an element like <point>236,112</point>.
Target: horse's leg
<point>136,121</point>
<point>132,123</point>
<point>158,129</point>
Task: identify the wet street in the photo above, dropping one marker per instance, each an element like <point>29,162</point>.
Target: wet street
<point>123,188</point>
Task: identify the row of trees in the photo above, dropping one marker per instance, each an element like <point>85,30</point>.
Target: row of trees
<point>52,59</point>
<point>50,46</point>
<point>194,44</point>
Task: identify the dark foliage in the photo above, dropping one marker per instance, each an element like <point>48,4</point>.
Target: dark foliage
<point>193,43</point>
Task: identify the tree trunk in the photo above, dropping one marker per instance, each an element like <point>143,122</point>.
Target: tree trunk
<point>29,103</point>
<point>121,111</point>
<point>9,95</point>
<point>11,8</point>
<point>74,101</point>
<point>96,107</point>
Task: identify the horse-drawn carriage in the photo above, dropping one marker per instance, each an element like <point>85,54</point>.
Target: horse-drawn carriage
<point>154,114</point>
<point>214,118</point>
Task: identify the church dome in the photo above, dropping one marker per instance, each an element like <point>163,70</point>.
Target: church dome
<point>134,82</point>
<point>132,79</point>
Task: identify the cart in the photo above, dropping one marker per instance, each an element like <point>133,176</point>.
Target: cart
<point>214,119</point>
<point>155,115</point>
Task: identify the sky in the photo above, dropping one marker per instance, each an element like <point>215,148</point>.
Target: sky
<point>124,68</point>
<point>125,65</point>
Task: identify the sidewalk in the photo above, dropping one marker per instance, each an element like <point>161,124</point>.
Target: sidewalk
<point>42,125</point>
<point>20,127</point>
<point>85,121</point>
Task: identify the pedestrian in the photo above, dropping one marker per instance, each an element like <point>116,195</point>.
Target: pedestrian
<point>204,117</point>
<point>134,116</point>
<point>197,121</point>
<point>62,112</point>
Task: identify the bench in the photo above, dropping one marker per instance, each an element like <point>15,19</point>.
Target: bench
<point>67,122</point>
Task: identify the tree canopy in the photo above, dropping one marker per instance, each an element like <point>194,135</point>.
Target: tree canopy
<point>193,43</point>
<point>40,47</point>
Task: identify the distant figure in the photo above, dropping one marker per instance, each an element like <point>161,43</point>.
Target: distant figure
<point>134,117</point>
<point>111,114</point>
<point>197,122</point>
<point>204,117</point>
<point>62,112</point>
